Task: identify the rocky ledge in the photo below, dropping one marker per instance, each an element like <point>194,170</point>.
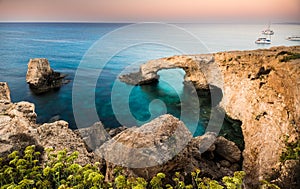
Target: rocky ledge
<point>41,77</point>
<point>166,145</point>
<point>260,88</point>
<point>163,145</point>
<point>18,129</point>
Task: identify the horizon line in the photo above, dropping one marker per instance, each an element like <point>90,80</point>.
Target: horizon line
<point>133,22</point>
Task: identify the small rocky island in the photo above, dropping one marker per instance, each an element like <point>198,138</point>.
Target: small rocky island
<point>260,88</point>
<point>41,77</point>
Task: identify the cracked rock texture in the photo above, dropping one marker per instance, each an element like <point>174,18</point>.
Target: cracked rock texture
<point>41,77</point>
<point>259,87</point>
<point>18,129</point>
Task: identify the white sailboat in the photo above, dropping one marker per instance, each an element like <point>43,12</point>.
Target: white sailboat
<point>268,31</point>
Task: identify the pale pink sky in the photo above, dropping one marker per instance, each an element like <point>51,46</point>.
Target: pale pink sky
<point>147,10</point>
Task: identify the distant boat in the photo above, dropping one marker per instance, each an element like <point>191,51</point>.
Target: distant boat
<point>268,31</point>
<point>263,40</point>
<point>293,38</point>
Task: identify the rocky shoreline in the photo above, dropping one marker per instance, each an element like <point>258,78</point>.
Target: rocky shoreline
<point>260,88</point>
<point>18,129</point>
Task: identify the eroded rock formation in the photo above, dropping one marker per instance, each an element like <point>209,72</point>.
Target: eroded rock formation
<point>260,88</point>
<point>18,129</point>
<point>4,92</point>
<point>163,145</point>
<point>192,65</point>
<point>93,136</point>
<point>166,145</point>
<point>41,77</point>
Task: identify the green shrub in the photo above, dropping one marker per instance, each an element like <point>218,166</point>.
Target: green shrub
<point>287,56</point>
<point>60,171</point>
<point>292,151</point>
<point>267,185</point>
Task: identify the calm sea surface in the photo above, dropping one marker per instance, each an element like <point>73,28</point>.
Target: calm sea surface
<point>64,45</point>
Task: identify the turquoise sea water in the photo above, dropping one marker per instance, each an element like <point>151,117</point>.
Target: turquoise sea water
<point>64,45</point>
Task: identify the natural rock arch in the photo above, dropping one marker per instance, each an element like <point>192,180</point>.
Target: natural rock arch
<point>198,70</point>
<point>257,90</point>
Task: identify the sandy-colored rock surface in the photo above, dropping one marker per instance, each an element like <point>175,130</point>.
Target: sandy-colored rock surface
<point>260,88</point>
<point>18,129</point>
<point>166,145</point>
<point>4,92</point>
<point>41,77</point>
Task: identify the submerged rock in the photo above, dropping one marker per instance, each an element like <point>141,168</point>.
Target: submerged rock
<point>41,77</point>
<point>54,118</point>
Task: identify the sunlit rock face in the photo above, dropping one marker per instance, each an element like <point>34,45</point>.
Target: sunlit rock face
<point>18,129</point>
<point>166,145</point>
<point>4,92</point>
<point>41,77</point>
<point>259,87</point>
<point>194,66</point>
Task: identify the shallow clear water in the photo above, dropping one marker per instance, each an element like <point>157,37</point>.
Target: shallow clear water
<point>64,45</point>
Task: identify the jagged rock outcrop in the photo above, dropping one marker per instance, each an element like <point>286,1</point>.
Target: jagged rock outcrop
<point>114,131</point>
<point>227,149</point>
<point>94,136</point>
<point>18,129</point>
<point>148,145</point>
<point>41,77</point>
<point>4,92</point>
<point>260,88</point>
<point>165,145</point>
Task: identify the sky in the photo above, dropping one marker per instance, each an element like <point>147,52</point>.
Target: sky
<point>148,10</point>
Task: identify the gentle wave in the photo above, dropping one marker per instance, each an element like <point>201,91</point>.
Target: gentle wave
<point>55,41</point>
<point>13,32</point>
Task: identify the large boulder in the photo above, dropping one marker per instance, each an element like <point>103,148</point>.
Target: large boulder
<point>149,145</point>
<point>164,145</point>
<point>41,77</point>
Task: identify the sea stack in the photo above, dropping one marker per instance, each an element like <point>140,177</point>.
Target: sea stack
<point>41,77</point>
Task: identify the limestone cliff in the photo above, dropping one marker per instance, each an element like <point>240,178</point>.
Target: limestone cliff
<point>260,88</point>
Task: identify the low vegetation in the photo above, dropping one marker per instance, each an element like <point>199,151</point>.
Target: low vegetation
<point>287,56</point>
<point>291,152</point>
<point>22,170</point>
